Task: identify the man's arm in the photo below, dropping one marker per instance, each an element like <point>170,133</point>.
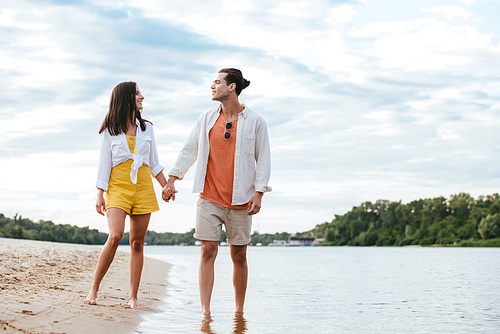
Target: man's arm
<point>263,171</point>
<point>262,159</point>
<point>255,203</point>
<point>187,157</point>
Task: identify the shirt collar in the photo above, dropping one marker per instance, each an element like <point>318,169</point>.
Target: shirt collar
<point>244,112</point>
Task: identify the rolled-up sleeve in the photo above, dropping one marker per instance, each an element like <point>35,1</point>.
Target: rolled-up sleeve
<point>105,163</point>
<point>263,159</point>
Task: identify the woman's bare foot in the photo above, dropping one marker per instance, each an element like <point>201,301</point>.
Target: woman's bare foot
<point>133,303</point>
<point>91,298</point>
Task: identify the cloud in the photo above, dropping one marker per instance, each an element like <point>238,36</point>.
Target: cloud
<point>425,44</point>
<point>451,12</point>
<point>270,26</point>
<point>341,14</point>
<point>394,106</point>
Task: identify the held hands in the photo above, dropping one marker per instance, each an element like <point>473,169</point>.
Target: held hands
<point>255,204</point>
<point>168,192</point>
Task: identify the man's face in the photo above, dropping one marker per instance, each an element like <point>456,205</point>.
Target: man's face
<point>220,90</point>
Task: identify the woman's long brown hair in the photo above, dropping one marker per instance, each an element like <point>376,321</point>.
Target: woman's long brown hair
<point>122,110</point>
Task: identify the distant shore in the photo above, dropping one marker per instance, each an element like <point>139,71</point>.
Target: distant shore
<point>43,285</point>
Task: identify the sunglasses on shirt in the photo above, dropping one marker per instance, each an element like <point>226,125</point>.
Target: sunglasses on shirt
<point>227,134</point>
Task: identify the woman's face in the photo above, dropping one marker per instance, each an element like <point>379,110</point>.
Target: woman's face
<point>138,98</point>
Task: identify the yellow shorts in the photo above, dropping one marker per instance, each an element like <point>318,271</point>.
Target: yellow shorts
<point>134,199</point>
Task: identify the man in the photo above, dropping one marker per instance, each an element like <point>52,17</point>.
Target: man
<point>231,145</point>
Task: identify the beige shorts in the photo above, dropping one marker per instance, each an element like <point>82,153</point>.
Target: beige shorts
<point>209,220</point>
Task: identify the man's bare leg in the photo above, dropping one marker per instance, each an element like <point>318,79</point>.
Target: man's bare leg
<point>209,251</point>
<point>116,223</point>
<point>240,275</point>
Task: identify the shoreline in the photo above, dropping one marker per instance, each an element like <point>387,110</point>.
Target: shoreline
<point>43,285</point>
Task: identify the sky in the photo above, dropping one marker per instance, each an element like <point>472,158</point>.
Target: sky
<point>363,99</point>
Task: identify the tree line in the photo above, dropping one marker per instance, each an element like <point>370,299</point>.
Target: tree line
<point>459,220</point>
<point>45,230</point>
<point>167,238</point>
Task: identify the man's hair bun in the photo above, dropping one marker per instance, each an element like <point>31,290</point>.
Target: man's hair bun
<point>235,76</point>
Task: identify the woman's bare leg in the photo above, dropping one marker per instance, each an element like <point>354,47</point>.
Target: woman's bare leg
<point>116,223</point>
<point>138,228</point>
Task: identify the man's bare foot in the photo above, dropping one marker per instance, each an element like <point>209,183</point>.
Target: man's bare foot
<point>205,324</point>
<point>240,323</point>
<point>91,298</point>
<point>205,312</point>
<point>133,303</point>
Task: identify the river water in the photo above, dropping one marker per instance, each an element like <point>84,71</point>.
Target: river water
<point>336,290</point>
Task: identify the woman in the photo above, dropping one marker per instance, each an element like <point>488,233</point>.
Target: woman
<point>128,157</point>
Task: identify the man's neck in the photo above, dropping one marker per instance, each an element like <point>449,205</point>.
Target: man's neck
<point>231,109</point>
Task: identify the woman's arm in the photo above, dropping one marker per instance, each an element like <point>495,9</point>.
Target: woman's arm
<point>105,163</point>
<point>154,161</point>
<point>160,177</point>
<point>100,204</point>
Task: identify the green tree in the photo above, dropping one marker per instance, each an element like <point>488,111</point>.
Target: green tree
<point>460,206</point>
<point>330,234</point>
<point>489,227</point>
<point>367,238</point>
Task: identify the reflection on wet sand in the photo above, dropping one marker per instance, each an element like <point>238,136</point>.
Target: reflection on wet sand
<point>239,324</point>
<point>205,324</point>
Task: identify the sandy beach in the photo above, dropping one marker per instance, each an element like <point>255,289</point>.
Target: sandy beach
<point>43,285</point>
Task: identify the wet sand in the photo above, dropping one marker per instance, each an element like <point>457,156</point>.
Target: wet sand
<point>43,286</point>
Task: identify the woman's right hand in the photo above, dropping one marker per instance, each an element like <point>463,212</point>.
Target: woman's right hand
<point>100,204</point>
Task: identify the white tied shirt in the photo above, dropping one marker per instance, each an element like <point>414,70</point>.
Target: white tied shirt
<point>114,151</point>
<point>252,161</point>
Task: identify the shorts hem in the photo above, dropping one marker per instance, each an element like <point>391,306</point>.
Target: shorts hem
<point>117,207</point>
<point>238,244</point>
<point>134,213</point>
<point>197,236</point>
<point>144,213</point>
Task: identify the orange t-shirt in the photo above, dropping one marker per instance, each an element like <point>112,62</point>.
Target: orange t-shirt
<point>218,187</point>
